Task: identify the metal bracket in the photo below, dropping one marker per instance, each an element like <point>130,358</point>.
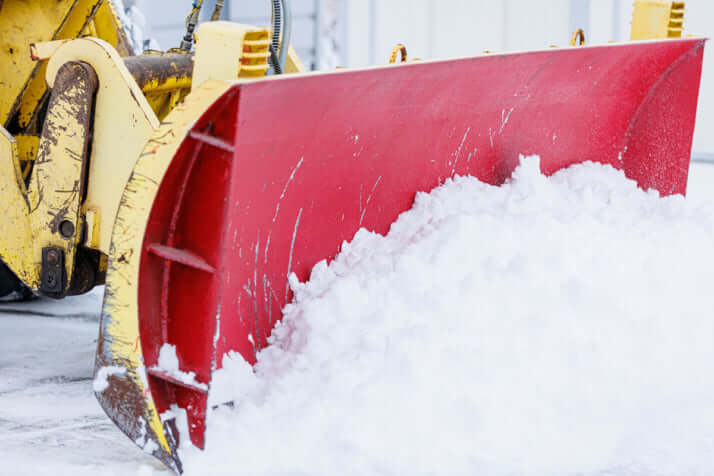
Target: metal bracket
<point>54,276</point>
<point>58,181</point>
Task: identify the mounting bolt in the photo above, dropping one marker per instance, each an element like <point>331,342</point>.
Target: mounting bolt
<point>66,229</point>
<point>53,277</point>
<point>52,257</point>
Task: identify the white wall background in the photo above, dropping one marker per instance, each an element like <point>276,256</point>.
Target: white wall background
<point>449,28</point>
<point>363,32</point>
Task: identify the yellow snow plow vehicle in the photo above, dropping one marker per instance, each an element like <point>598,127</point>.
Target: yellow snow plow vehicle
<point>193,182</point>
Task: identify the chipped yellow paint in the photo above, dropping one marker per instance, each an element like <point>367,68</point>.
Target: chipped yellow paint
<point>55,188</point>
<point>164,83</point>
<point>23,90</point>
<point>131,152</point>
<point>15,232</point>
<point>123,122</point>
<point>121,299</point>
<point>21,23</point>
<point>168,83</point>
<point>43,50</point>
<point>73,25</point>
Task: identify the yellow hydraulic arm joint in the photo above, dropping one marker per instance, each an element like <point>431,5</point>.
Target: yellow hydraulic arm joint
<point>58,183</point>
<point>61,192</point>
<point>22,22</point>
<point>23,88</point>
<point>48,210</point>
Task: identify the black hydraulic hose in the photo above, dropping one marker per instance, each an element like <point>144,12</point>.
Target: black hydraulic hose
<point>277,20</point>
<point>282,20</point>
<point>275,61</point>
<point>287,32</point>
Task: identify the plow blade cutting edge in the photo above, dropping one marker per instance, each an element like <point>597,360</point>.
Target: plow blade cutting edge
<point>246,183</point>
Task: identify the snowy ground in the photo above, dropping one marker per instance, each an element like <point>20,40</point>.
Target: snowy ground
<point>50,423</point>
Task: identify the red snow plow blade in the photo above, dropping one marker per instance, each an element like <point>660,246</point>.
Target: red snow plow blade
<point>276,174</point>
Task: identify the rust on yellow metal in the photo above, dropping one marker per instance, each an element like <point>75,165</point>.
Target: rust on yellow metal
<point>119,335</point>
<point>162,103</point>
<point>657,19</point>
<point>164,78</point>
<point>120,327</point>
<point>123,122</point>
<point>74,24</point>
<point>47,212</point>
<point>57,182</point>
<point>22,22</point>
<point>578,37</point>
<point>399,50</point>
<point>42,51</point>
<point>171,72</point>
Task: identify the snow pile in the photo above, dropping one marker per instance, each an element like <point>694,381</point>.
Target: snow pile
<point>169,363</point>
<point>551,326</point>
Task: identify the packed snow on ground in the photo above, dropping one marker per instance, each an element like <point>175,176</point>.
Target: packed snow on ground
<point>552,326</point>
<point>50,422</point>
